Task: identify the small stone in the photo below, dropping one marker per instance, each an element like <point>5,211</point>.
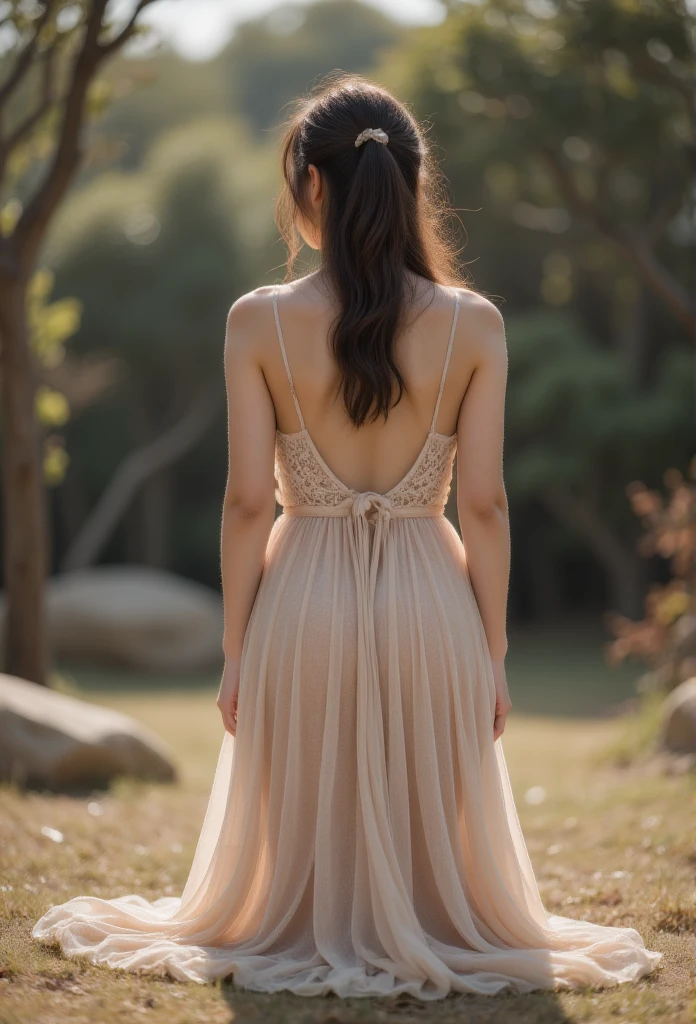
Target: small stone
<point>52,834</point>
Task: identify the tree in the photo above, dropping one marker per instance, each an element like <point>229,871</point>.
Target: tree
<point>566,129</point>
<point>157,256</point>
<point>60,48</point>
<point>576,423</point>
<point>595,97</point>
<point>274,59</point>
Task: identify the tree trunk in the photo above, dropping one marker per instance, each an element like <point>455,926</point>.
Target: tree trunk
<point>621,563</point>
<point>24,508</point>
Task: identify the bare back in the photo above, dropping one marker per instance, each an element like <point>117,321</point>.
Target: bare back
<point>377,455</point>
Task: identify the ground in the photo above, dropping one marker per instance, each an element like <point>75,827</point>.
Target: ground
<point>610,842</point>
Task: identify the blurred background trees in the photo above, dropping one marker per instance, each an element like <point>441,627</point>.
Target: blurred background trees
<point>566,133</point>
<point>570,126</point>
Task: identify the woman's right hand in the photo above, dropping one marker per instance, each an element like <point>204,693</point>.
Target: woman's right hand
<point>502,698</point>
<point>228,696</point>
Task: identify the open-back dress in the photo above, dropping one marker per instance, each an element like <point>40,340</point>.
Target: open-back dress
<point>361,836</point>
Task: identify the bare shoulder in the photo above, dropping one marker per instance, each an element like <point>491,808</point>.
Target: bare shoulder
<point>250,324</point>
<point>480,320</point>
<point>250,310</point>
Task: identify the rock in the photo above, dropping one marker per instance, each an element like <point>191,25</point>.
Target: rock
<point>52,741</point>
<point>679,719</point>
<point>134,617</point>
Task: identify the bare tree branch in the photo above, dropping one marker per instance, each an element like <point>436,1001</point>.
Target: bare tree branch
<point>620,561</point>
<point>127,31</point>
<point>26,56</point>
<point>637,248</point>
<point>133,472</point>
<point>30,230</point>
<point>47,100</point>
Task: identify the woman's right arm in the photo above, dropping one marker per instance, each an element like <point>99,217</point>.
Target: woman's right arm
<point>481,499</point>
<point>249,502</point>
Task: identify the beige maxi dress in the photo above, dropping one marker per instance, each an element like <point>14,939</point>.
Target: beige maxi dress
<point>361,835</point>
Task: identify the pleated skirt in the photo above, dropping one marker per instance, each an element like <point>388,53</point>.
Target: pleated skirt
<point>361,836</point>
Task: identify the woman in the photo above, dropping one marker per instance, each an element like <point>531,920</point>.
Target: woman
<point>361,835</point>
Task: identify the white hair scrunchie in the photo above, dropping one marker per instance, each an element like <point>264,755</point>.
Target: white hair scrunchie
<point>372,133</point>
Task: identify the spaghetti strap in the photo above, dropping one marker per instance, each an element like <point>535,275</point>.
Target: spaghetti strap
<point>285,359</point>
<point>447,359</point>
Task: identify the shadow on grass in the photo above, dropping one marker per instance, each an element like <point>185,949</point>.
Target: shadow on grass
<point>83,680</point>
<point>540,1007</point>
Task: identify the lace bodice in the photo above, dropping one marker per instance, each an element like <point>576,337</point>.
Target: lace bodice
<point>303,478</point>
<point>300,478</point>
<point>306,484</point>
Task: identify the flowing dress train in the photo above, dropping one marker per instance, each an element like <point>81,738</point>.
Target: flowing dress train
<point>361,836</point>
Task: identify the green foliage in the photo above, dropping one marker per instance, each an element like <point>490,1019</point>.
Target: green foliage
<point>158,256</point>
<point>602,84</point>
<point>276,58</point>
<point>155,95</point>
<point>574,413</point>
<point>564,129</point>
<point>268,63</point>
<point>562,119</point>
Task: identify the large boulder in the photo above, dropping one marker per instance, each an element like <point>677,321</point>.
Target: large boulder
<point>136,618</point>
<point>679,719</point>
<point>52,741</point>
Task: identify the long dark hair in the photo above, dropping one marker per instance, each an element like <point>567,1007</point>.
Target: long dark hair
<point>383,214</point>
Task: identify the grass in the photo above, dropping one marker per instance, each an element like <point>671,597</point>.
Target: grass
<point>613,844</point>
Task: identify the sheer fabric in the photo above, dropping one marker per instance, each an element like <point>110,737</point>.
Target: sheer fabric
<point>361,836</point>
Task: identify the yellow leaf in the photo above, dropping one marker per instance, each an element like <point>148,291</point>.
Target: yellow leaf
<point>672,608</point>
<point>52,408</point>
<point>9,215</point>
<point>55,463</point>
<point>40,285</point>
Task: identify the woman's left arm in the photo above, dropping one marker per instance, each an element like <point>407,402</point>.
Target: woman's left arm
<point>249,502</point>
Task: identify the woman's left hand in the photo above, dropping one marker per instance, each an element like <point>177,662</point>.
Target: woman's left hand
<point>228,696</point>
<point>502,698</point>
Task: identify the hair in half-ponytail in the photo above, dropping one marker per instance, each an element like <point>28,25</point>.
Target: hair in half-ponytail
<point>381,216</point>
